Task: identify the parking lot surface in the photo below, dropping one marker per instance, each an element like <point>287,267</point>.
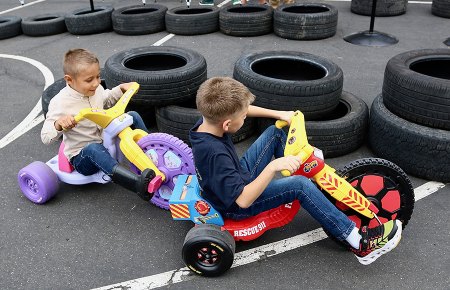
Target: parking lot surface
<point>100,235</point>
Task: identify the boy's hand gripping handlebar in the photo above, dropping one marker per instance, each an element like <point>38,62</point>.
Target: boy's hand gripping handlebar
<point>297,141</point>
<point>315,168</point>
<point>128,137</point>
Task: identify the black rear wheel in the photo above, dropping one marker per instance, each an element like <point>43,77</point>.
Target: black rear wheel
<point>208,250</point>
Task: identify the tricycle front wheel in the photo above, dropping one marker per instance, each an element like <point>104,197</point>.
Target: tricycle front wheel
<point>385,185</point>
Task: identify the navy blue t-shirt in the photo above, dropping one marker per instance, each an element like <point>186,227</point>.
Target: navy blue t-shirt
<point>219,172</point>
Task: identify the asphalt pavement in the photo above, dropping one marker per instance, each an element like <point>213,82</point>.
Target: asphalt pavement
<point>98,235</point>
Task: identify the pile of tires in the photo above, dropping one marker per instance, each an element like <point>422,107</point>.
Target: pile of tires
<point>305,21</point>
<point>410,121</point>
<point>291,80</point>
<point>167,76</point>
<point>384,7</point>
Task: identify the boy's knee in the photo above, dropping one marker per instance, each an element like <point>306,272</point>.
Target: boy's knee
<point>93,148</point>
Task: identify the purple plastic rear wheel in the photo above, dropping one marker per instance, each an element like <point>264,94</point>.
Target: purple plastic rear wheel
<point>38,182</point>
<point>172,157</point>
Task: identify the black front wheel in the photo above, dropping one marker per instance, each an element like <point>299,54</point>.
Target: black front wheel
<point>385,185</point>
<point>208,250</point>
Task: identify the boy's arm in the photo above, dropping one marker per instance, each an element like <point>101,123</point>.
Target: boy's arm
<point>255,111</point>
<point>49,133</point>
<point>254,189</point>
<point>113,95</point>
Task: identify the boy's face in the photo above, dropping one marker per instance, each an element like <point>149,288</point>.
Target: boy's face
<point>237,120</point>
<point>86,81</point>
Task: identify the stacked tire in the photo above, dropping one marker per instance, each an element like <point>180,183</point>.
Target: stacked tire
<point>177,120</point>
<point>10,26</point>
<point>246,20</point>
<point>441,8</point>
<point>291,80</point>
<point>305,21</point>
<point>410,120</point>
<point>87,21</point>
<point>167,76</point>
<point>139,19</point>
<point>384,7</point>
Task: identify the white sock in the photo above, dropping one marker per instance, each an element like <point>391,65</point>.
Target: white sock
<point>354,238</point>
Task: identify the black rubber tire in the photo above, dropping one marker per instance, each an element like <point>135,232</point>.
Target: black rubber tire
<point>247,20</point>
<point>342,131</point>
<point>167,75</point>
<point>384,7</point>
<point>291,80</point>
<point>210,238</point>
<point>10,26</point>
<point>419,150</point>
<point>178,120</point>
<point>416,87</point>
<point>192,21</point>
<point>43,25</point>
<point>441,8</point>
<point>84,21</point>
<point>305,21</point>
<point>139,19</point>
<point>51,91</point>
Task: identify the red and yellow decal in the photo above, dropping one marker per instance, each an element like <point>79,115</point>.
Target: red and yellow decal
<point>180,211</point>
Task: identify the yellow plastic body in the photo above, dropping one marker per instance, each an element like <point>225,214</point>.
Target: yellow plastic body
<point>134,153</point>
<point>297,144</point>
<point>128,137</point>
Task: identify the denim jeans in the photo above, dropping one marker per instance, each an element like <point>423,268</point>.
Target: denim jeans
<point>284,190</point>
<point>95,156</point>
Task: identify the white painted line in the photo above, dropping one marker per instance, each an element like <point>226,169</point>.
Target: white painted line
<point>22,6</point>
<point>164,39</point>
<point>426,189</point>
<point>248,256</point>
<point>34,117</point>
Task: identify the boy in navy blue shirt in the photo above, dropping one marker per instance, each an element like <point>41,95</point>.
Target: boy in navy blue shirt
<point>240,188</point>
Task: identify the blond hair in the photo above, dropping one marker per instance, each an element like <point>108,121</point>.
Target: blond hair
<point>76,59</point>
<point>220,97</point>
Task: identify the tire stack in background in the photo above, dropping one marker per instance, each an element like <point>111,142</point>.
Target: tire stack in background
<point>384,7</point>
<point>410,121</point>
<point>291,80</point>
<point>167,75</point>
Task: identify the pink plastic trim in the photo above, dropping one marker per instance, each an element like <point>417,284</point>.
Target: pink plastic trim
<point>154,185</point>
<point>63,163</point>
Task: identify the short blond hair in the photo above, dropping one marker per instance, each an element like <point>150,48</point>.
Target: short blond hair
<point>76,59</point>
<point>220,97</point>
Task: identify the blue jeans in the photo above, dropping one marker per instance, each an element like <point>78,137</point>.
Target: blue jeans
<point>94,156</point>
<point>281,191</point>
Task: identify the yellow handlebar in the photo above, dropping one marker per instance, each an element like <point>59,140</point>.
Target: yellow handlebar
<point>280,124</point>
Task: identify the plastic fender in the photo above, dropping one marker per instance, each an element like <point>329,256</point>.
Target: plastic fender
<point>187,204</point>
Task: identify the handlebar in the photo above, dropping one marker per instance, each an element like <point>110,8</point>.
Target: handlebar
<point>297,141</point>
